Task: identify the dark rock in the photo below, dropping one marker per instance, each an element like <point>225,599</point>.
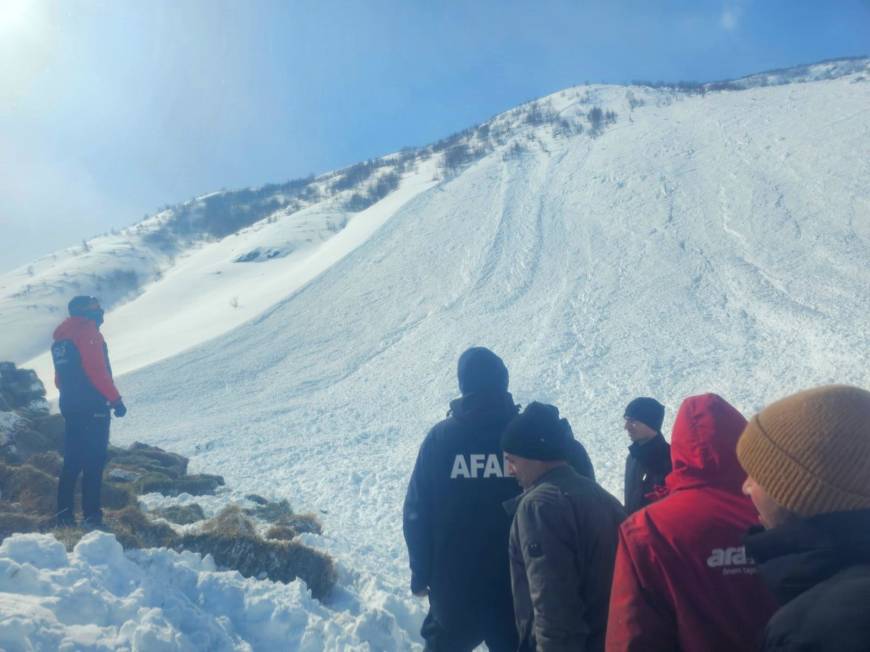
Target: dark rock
<point>293,526</point>
<point>20,387</point>
<point>182,514</point>
<point>147,458</point>
<point>122,474</point>
<point>196,485</point>
<point>271,511</point>
<point>305,523</point>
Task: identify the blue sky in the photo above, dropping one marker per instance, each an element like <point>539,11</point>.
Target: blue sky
<point>111,109</point>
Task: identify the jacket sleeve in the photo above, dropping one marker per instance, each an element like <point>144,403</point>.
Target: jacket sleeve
<point>553,576</point>
<point>93,355</point>
<point>417,519</point>
<point>638,620</point>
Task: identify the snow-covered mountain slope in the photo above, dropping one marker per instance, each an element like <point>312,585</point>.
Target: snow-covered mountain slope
<point>699,242</point>
<point>720,243</point>
<point>197,263</point>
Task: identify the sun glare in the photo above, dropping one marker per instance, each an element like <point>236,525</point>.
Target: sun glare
<point>17,16</point>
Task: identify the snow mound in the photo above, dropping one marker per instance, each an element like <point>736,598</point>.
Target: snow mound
<point>100,598</point>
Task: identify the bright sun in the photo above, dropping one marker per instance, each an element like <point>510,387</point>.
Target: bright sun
<point>17,16</point>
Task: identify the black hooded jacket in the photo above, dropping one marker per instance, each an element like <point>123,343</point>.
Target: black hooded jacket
<point>455,527</point>
<point>819,571</point>
<point>646,466</point>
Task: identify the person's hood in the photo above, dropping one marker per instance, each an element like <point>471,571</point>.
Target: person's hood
<point>704,445</point>
<point>481,370</point>
<point>74,327</point>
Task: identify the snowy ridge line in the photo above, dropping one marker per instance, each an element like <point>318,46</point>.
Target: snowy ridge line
<point>120,267</point>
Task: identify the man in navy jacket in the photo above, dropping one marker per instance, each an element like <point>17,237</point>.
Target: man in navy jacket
<point>455,526</point>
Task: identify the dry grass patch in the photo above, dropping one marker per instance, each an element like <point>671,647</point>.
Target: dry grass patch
<point>231,539</point>
<point>32,490</point>
<point>134,529</point>
<point>182,514</point>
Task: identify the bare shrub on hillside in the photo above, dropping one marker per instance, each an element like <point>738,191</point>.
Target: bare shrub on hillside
<point>539,114</point>
<point>385,184</point>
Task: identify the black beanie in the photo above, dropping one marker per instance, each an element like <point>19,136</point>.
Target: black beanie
<point>79,305</point>
<point>646,410</point>
<point>479,370</point>
<point>537,434</point>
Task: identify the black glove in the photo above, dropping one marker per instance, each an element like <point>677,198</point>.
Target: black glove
<point>119,408</point>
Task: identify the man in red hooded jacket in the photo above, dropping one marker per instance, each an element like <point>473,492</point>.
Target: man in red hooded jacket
<point>682,579</point>
<point>87,392</point>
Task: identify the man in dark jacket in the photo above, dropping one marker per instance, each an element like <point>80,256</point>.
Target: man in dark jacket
<point>562,542</point>
<point>87,392</point>
<point>682,579</point>
<point>649,456</point>
<point>455,528</point>
<point>808,460</point>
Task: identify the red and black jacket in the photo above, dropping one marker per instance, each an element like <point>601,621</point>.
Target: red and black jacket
<point>82,370</point>
<point>682,579</point>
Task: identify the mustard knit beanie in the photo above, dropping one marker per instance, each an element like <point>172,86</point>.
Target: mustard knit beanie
<point>811,451</point>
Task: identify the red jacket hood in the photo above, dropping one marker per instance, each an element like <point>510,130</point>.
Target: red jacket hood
<point>74,327</point>
<point>704,445</point>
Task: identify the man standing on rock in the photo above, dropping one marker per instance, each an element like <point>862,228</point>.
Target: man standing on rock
<point>649,456</point>
<point>83,375</point>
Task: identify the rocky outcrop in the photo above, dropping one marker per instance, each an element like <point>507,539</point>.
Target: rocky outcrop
<point>31,447</point>
<point>21,389</point>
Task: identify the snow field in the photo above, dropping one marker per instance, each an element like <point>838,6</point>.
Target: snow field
<point>717,243</point>
<point>599,269</point>
<point>99,598</point>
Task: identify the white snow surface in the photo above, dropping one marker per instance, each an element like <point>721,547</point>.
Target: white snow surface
<point>100,598</point>
<point>701,243</point>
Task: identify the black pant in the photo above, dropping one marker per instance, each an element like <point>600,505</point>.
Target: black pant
<point>85,444</point>
<point>495,626</point>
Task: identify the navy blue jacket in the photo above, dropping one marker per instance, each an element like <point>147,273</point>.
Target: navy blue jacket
<point>455,526</point>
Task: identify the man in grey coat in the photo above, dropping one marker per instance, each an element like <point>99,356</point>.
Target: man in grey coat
<point>563,539</point>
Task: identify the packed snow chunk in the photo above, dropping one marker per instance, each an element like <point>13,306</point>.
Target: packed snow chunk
<point>27,625</point>
<point>100,548</point>
<point>99,597</point>
<point>39,550</point>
